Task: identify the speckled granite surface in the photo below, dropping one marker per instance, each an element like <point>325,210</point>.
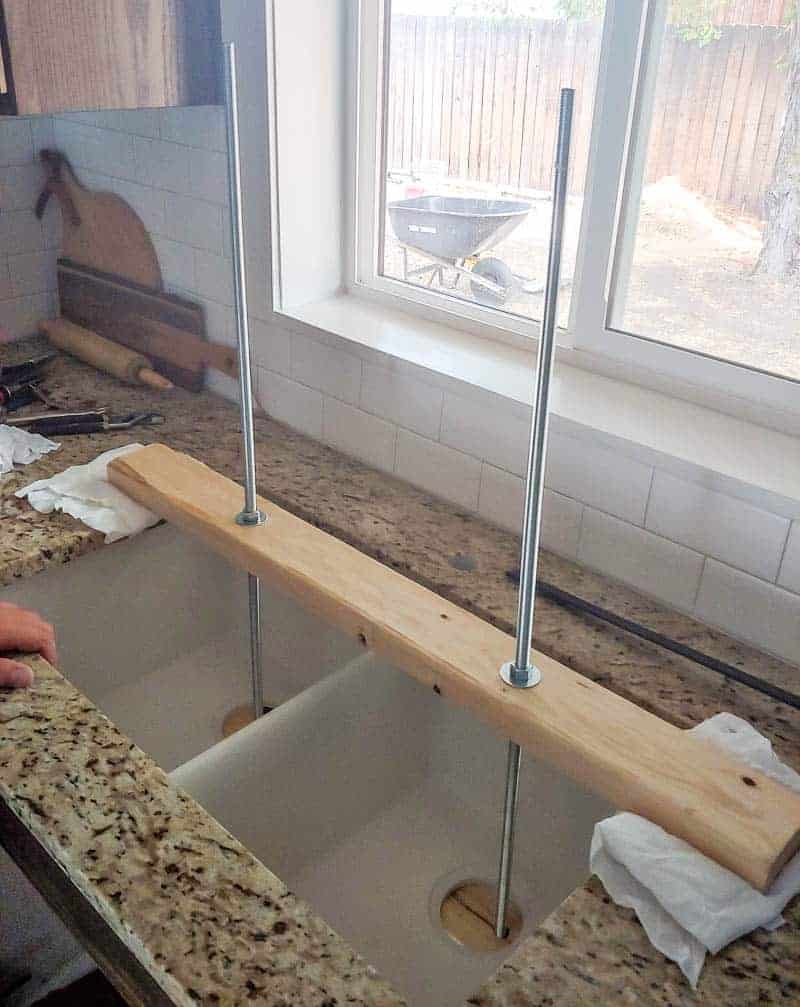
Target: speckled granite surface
<point>588,951</point>
<point>198,910</point>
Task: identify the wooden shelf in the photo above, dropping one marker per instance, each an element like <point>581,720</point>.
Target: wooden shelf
<point>640,763</point>
<point>70,54</point>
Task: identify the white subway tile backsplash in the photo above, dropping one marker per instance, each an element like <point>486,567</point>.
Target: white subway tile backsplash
<point>296,405</point>
<point>750,609</point>
<point>326,368</point>
<point>602,478</point>
<point>501,498</point>
<point>403,400</point>
<point>147,203</point>
<point>502,501</point>
<point>20,232</point>
<point>561,524</point>
<point>87,117</point>
<point>721,526</point>
<point>43,133</point>
<point>440,470</point>
<point>20,186</point>
<point>491,431</point>
<point>356,433</point>
<point>208,175</point>
<point>161,164</point>
<point>20,316</point>
<point>32,273</point>
<point>16,141</point>
<point>213,276</point>
<point>177,263</point>
<point>138,121</point>
<point>193,222</point>
<point>652,564</point>
<point>220,383</point>
<point>270,346</point>
<point>220,323</point>
<point>202,126</point>
<point>104,150</point>
<point>259,293</point>
<point>790,567</point>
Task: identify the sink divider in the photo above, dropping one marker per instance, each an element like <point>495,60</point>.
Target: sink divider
<point>637,761</point>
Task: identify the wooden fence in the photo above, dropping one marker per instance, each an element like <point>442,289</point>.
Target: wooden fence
<point>479,99</point>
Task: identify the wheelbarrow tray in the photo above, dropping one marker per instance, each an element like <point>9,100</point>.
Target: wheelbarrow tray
<point>454,227</point>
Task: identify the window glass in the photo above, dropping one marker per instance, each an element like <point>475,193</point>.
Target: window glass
<point>709,257</point>
<point>470,118</point>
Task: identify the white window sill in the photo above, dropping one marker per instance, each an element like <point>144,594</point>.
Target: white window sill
<point>723,451</point>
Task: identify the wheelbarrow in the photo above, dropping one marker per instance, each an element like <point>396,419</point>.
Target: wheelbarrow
<point>453,231</point>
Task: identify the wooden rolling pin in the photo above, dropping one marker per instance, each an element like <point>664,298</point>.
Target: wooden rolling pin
<point>125,364</point>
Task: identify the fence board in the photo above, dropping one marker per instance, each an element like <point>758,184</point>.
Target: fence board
<point>733,150</point>
<point>769,125</point>
<point>722,131</point>
<point>741,167</point>
<point>481,96</point>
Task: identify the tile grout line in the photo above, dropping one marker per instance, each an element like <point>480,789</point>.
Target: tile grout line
<point>783,555</point>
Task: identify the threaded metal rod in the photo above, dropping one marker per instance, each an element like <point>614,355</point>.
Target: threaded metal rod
<point>521,673</point>
<point>250,515</point>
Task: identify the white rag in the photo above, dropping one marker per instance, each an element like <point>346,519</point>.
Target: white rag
<point>686,902</point>
<point>19,447</point>
<point>85,492</point>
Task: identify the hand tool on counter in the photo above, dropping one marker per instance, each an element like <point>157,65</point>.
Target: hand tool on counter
<point>89,421</point>
<point>19,383</point>
<point>122,363</point>
<point>31,369</point>
<point>99,228</point>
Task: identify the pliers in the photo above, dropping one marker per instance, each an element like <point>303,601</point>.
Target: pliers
<point>88,422</point>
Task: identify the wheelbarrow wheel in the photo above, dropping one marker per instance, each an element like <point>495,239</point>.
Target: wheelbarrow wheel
<point>497,272</point>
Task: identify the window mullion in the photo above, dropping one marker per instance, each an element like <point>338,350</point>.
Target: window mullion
<point>614,108</point>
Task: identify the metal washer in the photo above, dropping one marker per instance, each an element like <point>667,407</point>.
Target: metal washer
<point>534,676</point>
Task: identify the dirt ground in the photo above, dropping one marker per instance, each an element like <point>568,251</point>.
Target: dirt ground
<point>691,281</point>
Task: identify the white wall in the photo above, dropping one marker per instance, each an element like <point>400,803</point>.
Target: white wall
<point>730,555</point>
<point>27,246</point>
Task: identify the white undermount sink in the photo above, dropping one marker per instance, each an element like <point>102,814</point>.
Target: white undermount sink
<point>372,797</point>
<point>368,794</point>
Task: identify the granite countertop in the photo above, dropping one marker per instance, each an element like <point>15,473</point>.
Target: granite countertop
<point>89,795</point>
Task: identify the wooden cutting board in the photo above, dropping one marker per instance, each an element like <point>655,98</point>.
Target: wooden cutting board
<point>100,229</point>
<point>167,329</point>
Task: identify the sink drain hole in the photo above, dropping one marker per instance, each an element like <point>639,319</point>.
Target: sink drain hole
<point>468,914</point>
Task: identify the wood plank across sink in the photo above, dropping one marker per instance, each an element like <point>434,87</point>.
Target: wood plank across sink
<point>735,815</point>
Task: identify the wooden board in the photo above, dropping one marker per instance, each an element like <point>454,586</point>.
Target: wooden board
<point>113,53</point>
<point>99,229</point>
<point>121,312</point>
<point>640,763</point>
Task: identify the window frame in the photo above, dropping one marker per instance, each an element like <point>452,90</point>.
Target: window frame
<point>607,230</point>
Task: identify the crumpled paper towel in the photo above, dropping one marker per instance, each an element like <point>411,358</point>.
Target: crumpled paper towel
<point>686,902</point>
<point>85,492</point>
<point>19,447</point>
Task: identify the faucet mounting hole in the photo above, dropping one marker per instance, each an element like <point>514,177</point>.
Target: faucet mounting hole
<point>468,913</point>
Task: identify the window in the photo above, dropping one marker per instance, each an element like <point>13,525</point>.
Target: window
<point>469,102</point>
<point>708,257</point>
<point>682,257</point>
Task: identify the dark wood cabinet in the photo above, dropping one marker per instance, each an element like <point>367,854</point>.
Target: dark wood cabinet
<point>86,54</point>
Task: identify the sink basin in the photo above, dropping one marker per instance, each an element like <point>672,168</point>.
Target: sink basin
<point>368,794</point>
<point>154,630</point>
<point>372,797</point>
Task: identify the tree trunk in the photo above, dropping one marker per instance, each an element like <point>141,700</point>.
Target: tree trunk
<point>780,253</point>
